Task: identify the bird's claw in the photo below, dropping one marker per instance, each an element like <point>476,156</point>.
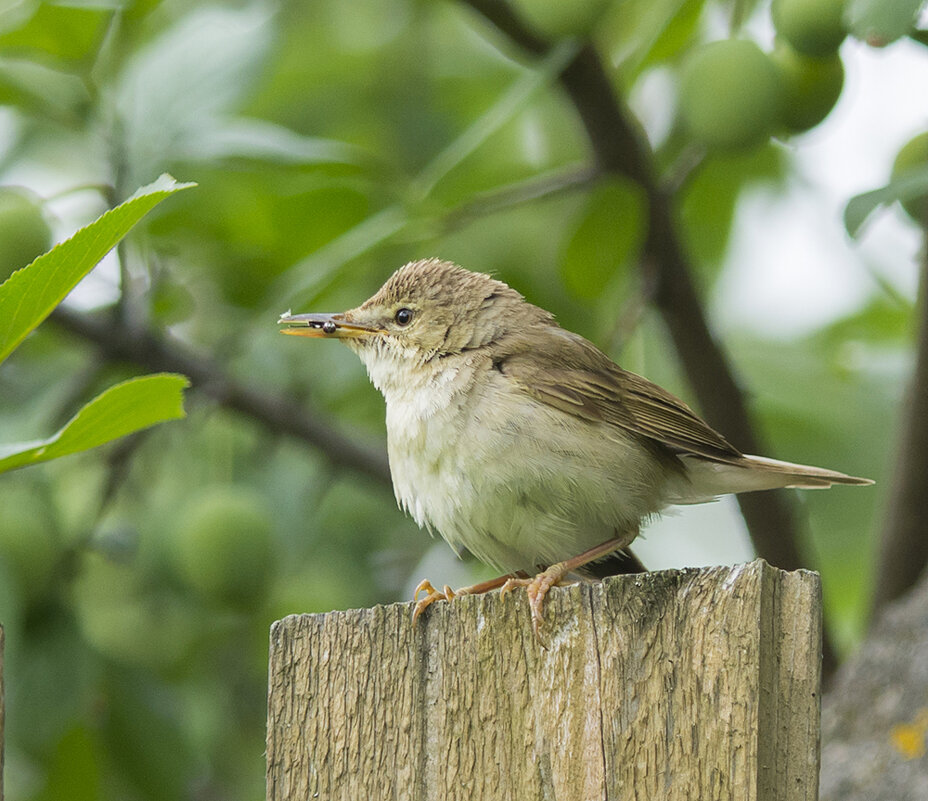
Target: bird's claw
<point>431,595</point>
<point>537,590</point>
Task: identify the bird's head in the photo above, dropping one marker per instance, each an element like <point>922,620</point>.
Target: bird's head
<point>426,309</point>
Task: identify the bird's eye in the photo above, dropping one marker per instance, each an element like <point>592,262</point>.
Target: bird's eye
<point>403,316</point>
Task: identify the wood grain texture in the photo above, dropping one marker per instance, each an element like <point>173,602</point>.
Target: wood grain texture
<point>693,684</point>
<point>2,711</point>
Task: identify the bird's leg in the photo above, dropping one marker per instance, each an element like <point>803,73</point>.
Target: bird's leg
<point>537,588</point>
<point>446,593</point>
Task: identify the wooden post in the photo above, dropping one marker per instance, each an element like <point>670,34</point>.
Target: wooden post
<point>2,710</point>
<point>692,684</point>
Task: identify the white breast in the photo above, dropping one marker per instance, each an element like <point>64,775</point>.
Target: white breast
<point>503,475</point>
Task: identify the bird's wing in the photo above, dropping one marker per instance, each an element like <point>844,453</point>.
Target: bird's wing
<point>569,373</point>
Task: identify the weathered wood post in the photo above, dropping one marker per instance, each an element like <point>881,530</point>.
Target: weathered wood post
<point>2,711</point>
<point>693,684</point>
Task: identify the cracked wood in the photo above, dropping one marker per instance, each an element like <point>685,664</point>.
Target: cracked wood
<point>694,684</point>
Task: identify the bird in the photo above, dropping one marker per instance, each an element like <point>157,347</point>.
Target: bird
<point>522,442</point>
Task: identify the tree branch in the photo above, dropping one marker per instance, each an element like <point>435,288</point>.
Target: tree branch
<point>148,350</point>
<point>507,197</point>
<point>620,146</point>
<point>904,546</point>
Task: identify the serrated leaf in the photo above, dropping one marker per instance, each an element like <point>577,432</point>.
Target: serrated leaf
<point>913,184</point>
<point>608,237</point>
<point>28,296</point>
<point>879,22</point>
<point>122,409</point>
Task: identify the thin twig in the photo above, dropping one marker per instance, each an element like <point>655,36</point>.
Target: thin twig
<point>118,464</point>
<point>628,319</point>
<point>512,195</point>
<point>276,412</point>
<point>686,164</point>
<point>78,390</point>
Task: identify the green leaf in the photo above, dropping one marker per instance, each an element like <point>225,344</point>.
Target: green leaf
<point>318,272</point>
<point>241,138</point>
<point>321,269</point>
<point>122,409</point>
<point>42,90</point>
<point>909,186</point>
<point>66,32</point>
<point>28,296</point>
<point>677,35</point>
<point>514,100</point>
<point>74,767</point>
<point>608,237</point>
<point>879,22</point>
<point>647,32</point>
<point>887,320</point>
<point>184,83</point>
<point>710,197</point>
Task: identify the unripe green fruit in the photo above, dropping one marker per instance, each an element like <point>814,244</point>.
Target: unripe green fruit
<point>812,27</point>
<point>561,18</point>
<point>730,95</point>
<point>811,86</point>
<point>913,154</point>
<point>223,545</point>
<point>126,621</point>
<point>24,231</point>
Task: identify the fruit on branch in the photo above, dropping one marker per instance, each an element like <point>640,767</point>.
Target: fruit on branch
<point>811,86</point>
<point>812,27</point>
<point>24,231</point>
<point>730,95</point>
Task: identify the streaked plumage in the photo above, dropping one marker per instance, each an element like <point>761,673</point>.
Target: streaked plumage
<point>519,440</point>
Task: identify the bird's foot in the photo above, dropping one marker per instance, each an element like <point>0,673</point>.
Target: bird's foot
<point>537,590</point>
<point>431,595</point>
<point>447,594</point>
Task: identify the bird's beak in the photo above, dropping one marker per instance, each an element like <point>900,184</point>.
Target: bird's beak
<point>336,326</point>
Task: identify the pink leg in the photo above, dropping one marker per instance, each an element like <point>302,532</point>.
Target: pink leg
<point>446,593</point>
<point>537,588</point>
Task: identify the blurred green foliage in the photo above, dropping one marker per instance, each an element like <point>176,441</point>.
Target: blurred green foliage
<point>330,142</point>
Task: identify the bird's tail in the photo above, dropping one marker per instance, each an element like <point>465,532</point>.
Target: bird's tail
<point>706,479</point>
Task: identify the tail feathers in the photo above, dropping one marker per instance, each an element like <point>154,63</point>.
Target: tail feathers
<point>803,476</point>
<point>707,479</point>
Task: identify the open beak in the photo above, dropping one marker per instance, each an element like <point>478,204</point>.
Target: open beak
<point>324,325</point>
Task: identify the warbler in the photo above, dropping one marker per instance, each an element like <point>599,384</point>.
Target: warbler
<point>521,441</point>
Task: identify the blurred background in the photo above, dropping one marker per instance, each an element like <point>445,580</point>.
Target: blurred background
<point>332,142</point>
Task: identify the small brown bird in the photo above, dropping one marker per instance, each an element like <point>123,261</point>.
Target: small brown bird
<point>522,442</point>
